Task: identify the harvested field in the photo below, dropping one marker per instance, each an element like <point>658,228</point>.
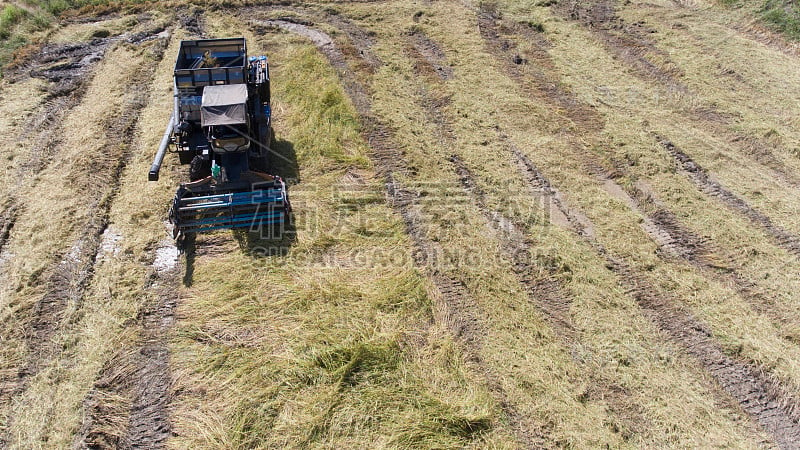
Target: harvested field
<point>568,224</point>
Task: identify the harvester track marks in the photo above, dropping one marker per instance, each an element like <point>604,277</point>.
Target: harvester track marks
<point>460,312</point>
<point>545,292</point>
<point>706,184</point>
<point>42,131</point>
<point>45,134</point>
<point>675,240</point>
<point>601,13</point>
<point>461,315</point>
<point>149,425</point>
<point>429,58</point>
<point>630,44</point>
<point>548,295</point>
<point>103,409</point>
<point>65,66</point>
<point>192,22</point>
<point>758,394</point>
<point>560,214</point>
<point>672,237</point>
<point>534,79</point>
<point>627,41</point>
<point>8,218</point>
<point>68,279</point>
<point>664,228</point>
<point>360,39</point>
<point>143,376</point>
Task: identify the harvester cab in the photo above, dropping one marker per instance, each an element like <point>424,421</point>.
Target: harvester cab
<point>221,126</point>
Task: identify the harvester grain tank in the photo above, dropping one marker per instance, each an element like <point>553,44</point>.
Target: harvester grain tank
<point>221,127</point>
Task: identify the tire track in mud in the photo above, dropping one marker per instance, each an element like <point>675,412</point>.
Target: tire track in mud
<point>70,68</point>
<point>546,293</point>
<point>758,394</point>
<point>706,184</point>
<point>8,217</point>
<point>127,406</point>
<point>149,425</point>
<point>675,240</point>
<point>138,385</point>
<point>459,311</point>
<point>148,384</point>
<point>68,278</point>
<point>66,282</point>
<point>428,57</point>
<point>629,42</point>
<point>534,80</point>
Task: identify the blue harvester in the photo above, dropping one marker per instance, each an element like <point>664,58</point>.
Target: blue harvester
<point>221,127</point>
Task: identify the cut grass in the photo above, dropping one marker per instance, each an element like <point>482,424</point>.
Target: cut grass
<point>730,315</point>
<point>332,338</point>
<point>87,331</point>
<point>516,348</point>
<point>346,354</point>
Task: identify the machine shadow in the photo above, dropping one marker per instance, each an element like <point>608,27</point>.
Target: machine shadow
<point>188,248</point>
<point>269,241</point>
<point>282,160</point>
<point>274,240</point>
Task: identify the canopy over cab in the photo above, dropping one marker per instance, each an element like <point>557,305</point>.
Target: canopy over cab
<point>224,105</point>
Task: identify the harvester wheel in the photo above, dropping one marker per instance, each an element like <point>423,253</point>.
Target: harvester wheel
<point>199,168</point>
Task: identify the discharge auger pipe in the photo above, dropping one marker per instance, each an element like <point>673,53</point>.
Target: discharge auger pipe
<point>162,147</point>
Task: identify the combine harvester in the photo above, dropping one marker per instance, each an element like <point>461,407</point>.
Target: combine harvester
<point>221,127</point>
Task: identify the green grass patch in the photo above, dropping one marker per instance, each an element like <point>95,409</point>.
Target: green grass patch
<point>783,16</point>
<point>10,16</point>
<point>23,26</point>
<point>329,127</point>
